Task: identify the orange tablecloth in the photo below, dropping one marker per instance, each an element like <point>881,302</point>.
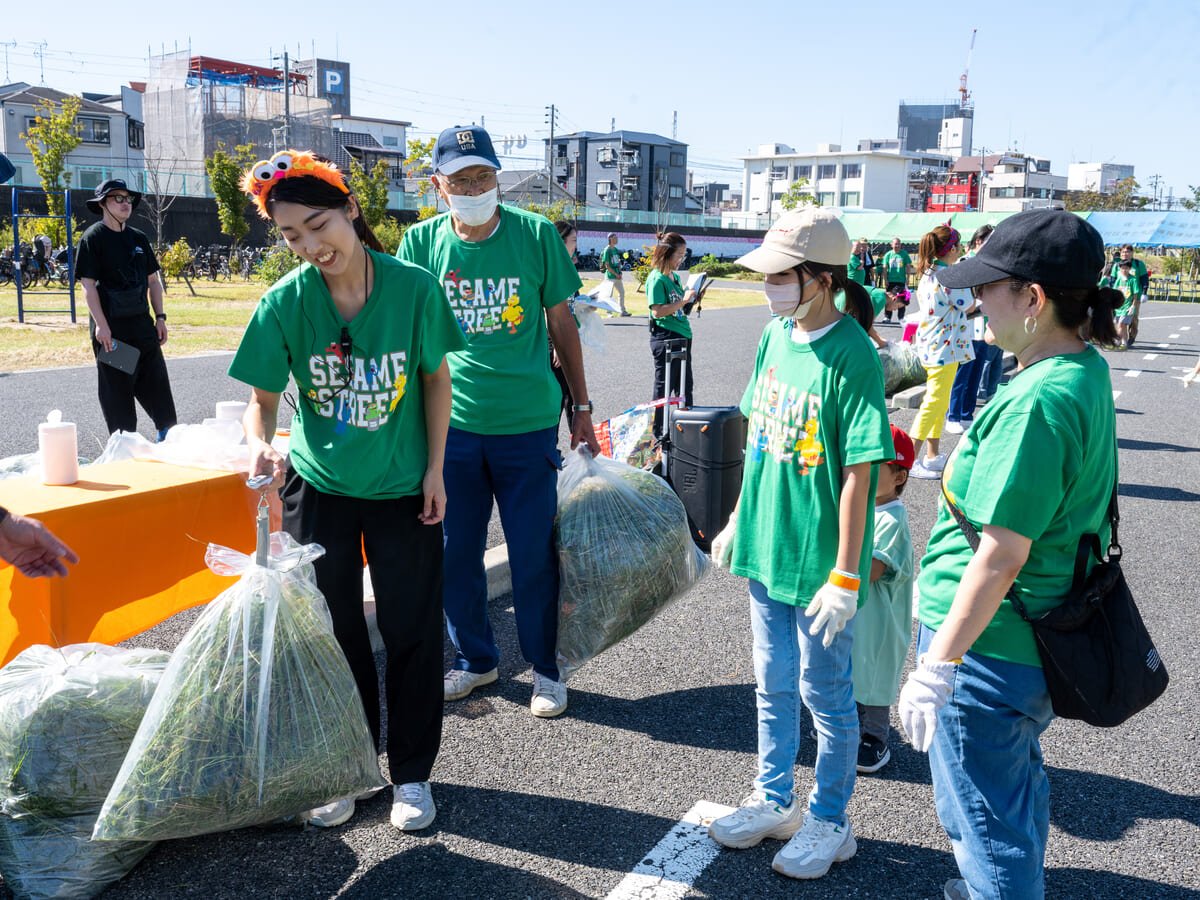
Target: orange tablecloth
<point>140,529</point>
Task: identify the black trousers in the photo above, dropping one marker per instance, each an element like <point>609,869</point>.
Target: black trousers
<point>662,342</point>
<point>405,559</point>
<point>149,385</point>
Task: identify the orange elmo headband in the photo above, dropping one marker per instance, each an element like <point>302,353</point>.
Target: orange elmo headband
<point>265,174</point>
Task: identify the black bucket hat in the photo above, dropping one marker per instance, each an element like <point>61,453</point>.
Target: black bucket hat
<point>1051,247</point>
<point>113,184</point>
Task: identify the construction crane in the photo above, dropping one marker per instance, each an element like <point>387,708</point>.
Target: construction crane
<point>965,95</point>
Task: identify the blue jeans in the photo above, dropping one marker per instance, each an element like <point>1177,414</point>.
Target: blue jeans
<point>991,791</point>
<point>521,472</point>
<point>964,393</point>
<point>992,363</point>
<point>790,666</point>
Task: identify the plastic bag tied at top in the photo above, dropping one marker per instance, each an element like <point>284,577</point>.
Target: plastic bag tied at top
<point>625,552</point>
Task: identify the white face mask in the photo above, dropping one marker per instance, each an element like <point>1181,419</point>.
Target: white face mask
<point>474,211</point>
<point>784,299</point>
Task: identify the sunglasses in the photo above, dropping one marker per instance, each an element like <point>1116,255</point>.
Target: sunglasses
<point>123,199</point>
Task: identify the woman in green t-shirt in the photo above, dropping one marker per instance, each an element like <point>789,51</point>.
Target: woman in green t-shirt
<point>1033,475</point>
<point>364,337</point>
<point>670,330</point>
<point>802,535</point>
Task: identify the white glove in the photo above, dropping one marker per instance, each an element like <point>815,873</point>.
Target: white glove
<point>833,606</point>
<point>722,545</point>
<point>926,691</point>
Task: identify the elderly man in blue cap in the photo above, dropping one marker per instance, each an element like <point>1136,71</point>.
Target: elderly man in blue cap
<point>506,274</point>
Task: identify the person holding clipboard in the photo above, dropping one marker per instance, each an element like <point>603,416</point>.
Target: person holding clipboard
<point>670,330</point>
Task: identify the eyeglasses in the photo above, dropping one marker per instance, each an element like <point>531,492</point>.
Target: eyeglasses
<point>977,291</point>
<point>461,184</point>
<point>120,198</point>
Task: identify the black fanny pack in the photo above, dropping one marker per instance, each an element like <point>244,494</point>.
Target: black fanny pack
<point>125,304</point>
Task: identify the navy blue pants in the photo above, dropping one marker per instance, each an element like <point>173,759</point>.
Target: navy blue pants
<point>964,393</point>
<point>520,471</point>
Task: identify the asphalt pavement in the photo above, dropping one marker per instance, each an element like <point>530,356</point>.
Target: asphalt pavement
<point>568,807</point>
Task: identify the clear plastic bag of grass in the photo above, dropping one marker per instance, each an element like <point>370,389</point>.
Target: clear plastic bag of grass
<point>624,550</point>
<point>256,719</point>
<point>67,717</point>
<point>902,367</point>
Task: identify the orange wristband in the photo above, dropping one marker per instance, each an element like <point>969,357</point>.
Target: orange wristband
<point>839,579</point>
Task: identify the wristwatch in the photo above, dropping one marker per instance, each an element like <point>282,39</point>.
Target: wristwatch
<point>162,316</point>
<point>583,407</point>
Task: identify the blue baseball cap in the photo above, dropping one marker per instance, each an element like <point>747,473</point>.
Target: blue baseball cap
<point>463,146</point>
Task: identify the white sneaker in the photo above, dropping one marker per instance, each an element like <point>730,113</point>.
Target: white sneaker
<point>814,848</point>
<point>953,427</point>
<point>412,806</point>
<point>937,464</point>
<point>331,814</point>
<point>549,697</point>
<point>919,470</point>
<point>756,818</point>
<point>458,683</point>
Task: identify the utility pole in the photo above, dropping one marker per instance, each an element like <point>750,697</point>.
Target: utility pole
<point>551,117</point>
<point>287,101</point>
<point>675,125</point>
<point>1154,182</point>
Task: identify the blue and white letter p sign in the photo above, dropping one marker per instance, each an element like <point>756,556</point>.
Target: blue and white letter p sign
<point>333,81</point>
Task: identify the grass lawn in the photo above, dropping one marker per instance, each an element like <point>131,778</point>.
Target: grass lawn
<point>212,320</point>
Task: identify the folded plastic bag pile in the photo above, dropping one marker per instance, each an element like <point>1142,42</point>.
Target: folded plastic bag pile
<point>257,717</point>
<point>902,367</point>
<point>625,552</point>
<point>67,717</point>
<point>214,444</point>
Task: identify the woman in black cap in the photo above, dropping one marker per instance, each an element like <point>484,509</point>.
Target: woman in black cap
<point>1032,476</point>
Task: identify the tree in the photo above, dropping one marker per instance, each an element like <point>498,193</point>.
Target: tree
<point>557,211</point>
<point>797,194</point>
<point>371,189</point>
<point>160,187</point>
<point>50,139</point>
<point>1192,202</point>
<point>225,178</point>
<point>419,164</point>
<point>1123,197</point>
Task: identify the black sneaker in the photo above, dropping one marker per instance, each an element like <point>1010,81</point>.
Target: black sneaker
<point>873,755</point>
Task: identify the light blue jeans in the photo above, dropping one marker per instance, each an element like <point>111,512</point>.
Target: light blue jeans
<point>991,791</point>
<point>790,666</point>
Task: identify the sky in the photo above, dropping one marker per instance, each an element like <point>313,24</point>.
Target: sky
<point>1117,82</point>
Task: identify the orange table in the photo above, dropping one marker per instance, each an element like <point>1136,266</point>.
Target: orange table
<point>140,529</point>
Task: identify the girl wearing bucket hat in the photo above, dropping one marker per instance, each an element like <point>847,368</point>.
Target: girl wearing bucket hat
<point>802,533</point>
<point>1033,474</point>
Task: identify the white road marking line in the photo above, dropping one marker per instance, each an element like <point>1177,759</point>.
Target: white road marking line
<point>1116,394</point>
<point>1150,356</point>
<point>1173,337</point>
<point>1164,346</point>
<point>1133,373</point>
<point>1185,327</point>
<point>668,871</point>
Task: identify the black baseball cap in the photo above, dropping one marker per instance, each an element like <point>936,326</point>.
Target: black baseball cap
<point>1051,247</point>
<point>113,184</point>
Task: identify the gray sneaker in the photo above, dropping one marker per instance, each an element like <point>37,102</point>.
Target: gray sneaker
<point>756,818</point>
<point>956,889</point>
<point>458,683</point>
<point>331,814</point>
<point>814,848</point>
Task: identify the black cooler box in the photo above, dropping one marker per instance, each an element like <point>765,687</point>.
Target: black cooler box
<point>704,465</point>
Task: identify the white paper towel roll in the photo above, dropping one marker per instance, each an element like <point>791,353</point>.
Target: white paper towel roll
<point>231,410</point>
<point>59,450</point>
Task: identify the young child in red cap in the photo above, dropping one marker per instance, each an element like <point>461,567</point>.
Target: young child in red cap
<point>883,627</point>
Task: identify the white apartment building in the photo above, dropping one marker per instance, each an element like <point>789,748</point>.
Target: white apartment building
<point>1094,176</point>
<point>846,179</point>
<point>1018,182</point>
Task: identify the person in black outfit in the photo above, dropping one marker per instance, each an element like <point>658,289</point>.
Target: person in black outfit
<point>118,270</point>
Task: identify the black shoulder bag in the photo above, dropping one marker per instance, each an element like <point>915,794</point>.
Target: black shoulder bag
<point>1099,660</point>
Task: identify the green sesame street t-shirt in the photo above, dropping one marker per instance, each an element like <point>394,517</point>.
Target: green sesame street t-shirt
<point>814,409</point>
<point>359,428</point>
<point>896,264</point>
<point>610,262</point>
<point>856,270</point>
<point>1040,460</point>
<point>499,290</point>
<point>662,290</point>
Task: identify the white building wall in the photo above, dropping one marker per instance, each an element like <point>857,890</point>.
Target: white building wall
<point>880,184</point>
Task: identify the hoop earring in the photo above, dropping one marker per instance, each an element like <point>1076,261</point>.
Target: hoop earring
<point>1030,331</point>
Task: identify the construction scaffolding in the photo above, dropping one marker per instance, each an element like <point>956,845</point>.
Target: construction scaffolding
<point>195,104</point>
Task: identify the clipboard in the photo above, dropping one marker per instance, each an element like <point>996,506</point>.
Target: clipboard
<point>123,357</point>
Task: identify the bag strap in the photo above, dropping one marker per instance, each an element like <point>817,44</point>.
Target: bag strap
<point>971,533</point>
